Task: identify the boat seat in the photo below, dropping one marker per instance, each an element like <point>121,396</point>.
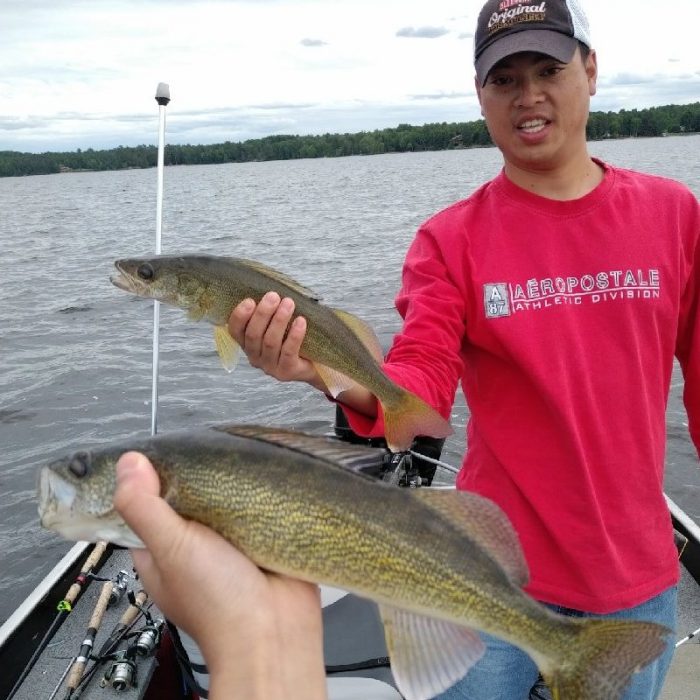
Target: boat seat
<point>345,646</point>
<point>360,689</point>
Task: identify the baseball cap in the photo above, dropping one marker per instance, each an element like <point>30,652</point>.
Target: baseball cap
<point>505,27</point>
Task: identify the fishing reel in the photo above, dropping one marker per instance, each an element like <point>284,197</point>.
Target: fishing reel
<point>119,587</point>
<point>399,470</point>
<point>150,637</point>
<point>409,469</point>
<point>121,675</point>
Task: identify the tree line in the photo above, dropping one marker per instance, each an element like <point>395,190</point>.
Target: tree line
<point>654,121</point>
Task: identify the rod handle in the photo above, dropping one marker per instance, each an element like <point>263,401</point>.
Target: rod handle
<point>101,605</point>
<point>78,668</point>
<point>132,611</point>
<point>90,563</point>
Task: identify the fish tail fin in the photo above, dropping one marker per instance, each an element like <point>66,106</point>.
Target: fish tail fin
<point>602,660</point>
<point>411,416</point>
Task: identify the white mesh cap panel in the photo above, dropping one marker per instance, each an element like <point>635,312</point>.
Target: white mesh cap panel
<point>578,17</point>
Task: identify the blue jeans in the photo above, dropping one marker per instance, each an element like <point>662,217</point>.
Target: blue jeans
<point>505,672</point>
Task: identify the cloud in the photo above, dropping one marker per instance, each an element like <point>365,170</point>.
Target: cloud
<point>313,42</point>
<point>629,91</point>
<point>53,98</point>
<point>443,96</point>
<point>206,126</point>
<point>629,79</point>
<point>422,32</point>
<point>20,123</point>
<point>275,106</point>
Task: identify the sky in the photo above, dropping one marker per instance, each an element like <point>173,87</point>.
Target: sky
<point>83,73</point>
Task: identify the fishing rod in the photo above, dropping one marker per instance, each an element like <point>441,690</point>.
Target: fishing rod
<point>132,612</point>
<point>162,98</point>
<point>64,607</point>
<point>438,462</point>
<point>76,672</point>
<point>118,586</point>
<point>61,679</point>
<point>688,638</point>
<point>122,673</point>
<point>119,631</point>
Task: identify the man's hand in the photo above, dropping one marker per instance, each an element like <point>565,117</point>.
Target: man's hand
<point>264,333</point>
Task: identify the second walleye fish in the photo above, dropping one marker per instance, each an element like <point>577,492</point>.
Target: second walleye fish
<point>440,563</point>
<point>341,346</point>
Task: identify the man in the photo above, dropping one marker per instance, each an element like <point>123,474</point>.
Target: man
<point>558,294</point>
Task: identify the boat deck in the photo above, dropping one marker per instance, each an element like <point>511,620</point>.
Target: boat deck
<point>51,666</point>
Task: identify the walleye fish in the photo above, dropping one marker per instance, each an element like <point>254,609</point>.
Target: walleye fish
<point>439,563</point>
<point>343,348</point>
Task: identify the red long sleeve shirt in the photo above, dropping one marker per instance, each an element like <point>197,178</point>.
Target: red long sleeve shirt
<point>562,320</point>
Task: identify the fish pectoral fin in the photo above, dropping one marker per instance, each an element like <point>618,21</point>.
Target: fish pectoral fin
<point>427,655</point>
<point>363,331</point>
<point>195,313</point>
<point>227,348</point>
<point>483,521</point>
<point>334,380</point>
<point>202,305</point>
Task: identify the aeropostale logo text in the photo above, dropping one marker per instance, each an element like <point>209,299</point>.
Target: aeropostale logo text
<point>505,298</point>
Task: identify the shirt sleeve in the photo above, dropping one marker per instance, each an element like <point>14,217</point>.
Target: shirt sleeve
<point>425,355</point>
<point>688,340</point>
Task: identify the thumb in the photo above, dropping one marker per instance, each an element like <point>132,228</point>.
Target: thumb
<point>137,499</point>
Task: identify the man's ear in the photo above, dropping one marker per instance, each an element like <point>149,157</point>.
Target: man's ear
<point>478,93</point>
<point>592,72</point>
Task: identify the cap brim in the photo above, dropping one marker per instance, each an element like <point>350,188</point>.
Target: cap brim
<point>545,41</point>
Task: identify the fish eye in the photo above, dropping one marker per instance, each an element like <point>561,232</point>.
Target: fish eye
<point>145,272</point>
<point>79,466</point>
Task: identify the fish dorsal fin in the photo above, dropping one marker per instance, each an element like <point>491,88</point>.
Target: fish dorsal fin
<point>328,449</point>
<point>336,382</point>
<point>427,655</point>
<point>363,331</point>
<point>282,278</point>
<point>226,347</point>
<point>485,523</point>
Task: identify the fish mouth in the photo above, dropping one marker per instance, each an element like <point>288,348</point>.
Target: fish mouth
<point>120,279</point>
<point>121,282</point>
<point>56,498</point>
<point>58,512</point>
<point>125,281</point>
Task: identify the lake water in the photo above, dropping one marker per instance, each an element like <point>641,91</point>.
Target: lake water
<point>76,352</point>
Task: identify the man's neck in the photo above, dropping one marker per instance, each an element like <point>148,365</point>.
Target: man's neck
<point>573,181</point>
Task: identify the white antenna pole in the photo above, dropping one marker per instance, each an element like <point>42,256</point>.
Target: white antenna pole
<point>162,98</point>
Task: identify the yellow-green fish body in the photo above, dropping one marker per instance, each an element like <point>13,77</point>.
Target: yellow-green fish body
<point>341,346</point>
<point>440,563</point>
